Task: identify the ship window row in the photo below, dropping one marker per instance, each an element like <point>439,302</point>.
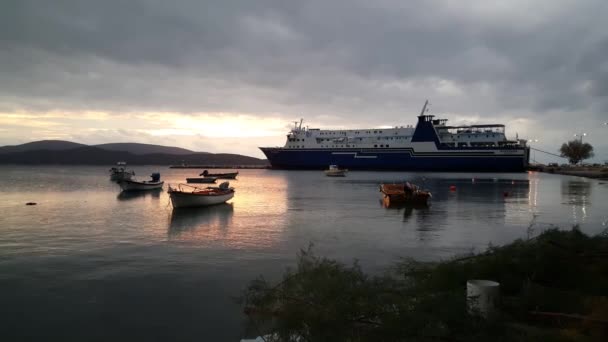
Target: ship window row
<point>472,144</point>
<point>394,138</point>
<point>332,133</point>
<point>475,135</point>
<point>292,139</point>
<point>321,140</point>
<point>382,145</point>
<point>461,136</point>
<point>344,133</point>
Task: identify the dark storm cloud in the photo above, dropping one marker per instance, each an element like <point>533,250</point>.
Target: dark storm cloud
<point>343,57</point>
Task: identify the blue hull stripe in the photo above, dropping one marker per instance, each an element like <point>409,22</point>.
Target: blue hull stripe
<point>395,159</point>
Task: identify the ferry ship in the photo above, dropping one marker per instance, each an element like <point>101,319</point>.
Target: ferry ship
<point>430,146</point>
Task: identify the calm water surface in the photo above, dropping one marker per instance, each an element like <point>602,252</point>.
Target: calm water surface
<point>90,263</point>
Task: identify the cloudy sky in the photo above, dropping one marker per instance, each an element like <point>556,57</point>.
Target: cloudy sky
<point>228,76</point>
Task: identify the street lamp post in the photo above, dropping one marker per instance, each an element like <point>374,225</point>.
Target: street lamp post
<point>580,136</point>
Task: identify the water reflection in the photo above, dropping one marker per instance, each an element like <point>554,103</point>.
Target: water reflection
<point>419,211</point>
<point>460,201</point>
<point>131,195</point>
<point>491,189</point>
<point>263,192</point>
<point>533,192</point>
<point>190,219</point>
<point>576,194</point>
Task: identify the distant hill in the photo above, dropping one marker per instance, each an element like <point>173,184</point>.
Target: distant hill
<point>60,145</point>
<point>137,148</point>
<point>91,155</point>
<point>51,145</point>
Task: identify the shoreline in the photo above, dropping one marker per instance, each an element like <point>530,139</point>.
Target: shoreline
<point>219,166</point>
<point>587,172</point>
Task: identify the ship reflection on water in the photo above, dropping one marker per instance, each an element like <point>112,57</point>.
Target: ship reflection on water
<point>576,193</point>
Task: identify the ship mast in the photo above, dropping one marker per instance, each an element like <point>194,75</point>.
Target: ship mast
<point>424,107</point>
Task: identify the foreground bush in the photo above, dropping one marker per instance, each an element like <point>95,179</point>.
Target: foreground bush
<point>554,288</point>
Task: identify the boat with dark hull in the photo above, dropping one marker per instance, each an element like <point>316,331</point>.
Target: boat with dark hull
<point>226,175</point>
<point>430,146</point>
<point>201,180</point>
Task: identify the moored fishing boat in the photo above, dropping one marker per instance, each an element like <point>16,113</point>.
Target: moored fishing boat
<point>199,197</point>
<point>335,171</point>
<point>119,172</point>
<point>406,193</point>
<point>201,180</point>
<point>227,175</point>
<point>134,185</point>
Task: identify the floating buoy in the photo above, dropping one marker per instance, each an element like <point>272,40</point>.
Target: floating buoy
<point>452,187</point>
<point>31,203</point>
<point>472,180</point>
<point>513,182</point>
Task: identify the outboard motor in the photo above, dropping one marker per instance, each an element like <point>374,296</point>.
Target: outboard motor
<point>225,185</point>
<point>155,176</point>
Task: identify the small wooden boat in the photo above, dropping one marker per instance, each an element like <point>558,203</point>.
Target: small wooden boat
<point>201,180</point>
<point>199,197</point>
<point>335,171</point>
<point>227,175</point>
<point>406,193</point>
<point>120,173</point>
<point>133,185</point>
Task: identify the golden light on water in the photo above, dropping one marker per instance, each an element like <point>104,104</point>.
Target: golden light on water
<point>236,223</point>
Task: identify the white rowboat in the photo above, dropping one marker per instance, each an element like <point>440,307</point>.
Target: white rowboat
<point>335,171</point>
<point>131,185</point>
<point>200,197</point>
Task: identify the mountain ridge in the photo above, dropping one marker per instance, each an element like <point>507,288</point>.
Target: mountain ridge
<point>67,153</point>
<point>52,145</point>
<point>139,148</point>
<point>59,145</point>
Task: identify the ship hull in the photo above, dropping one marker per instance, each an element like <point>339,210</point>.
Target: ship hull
<point>399,159</point>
